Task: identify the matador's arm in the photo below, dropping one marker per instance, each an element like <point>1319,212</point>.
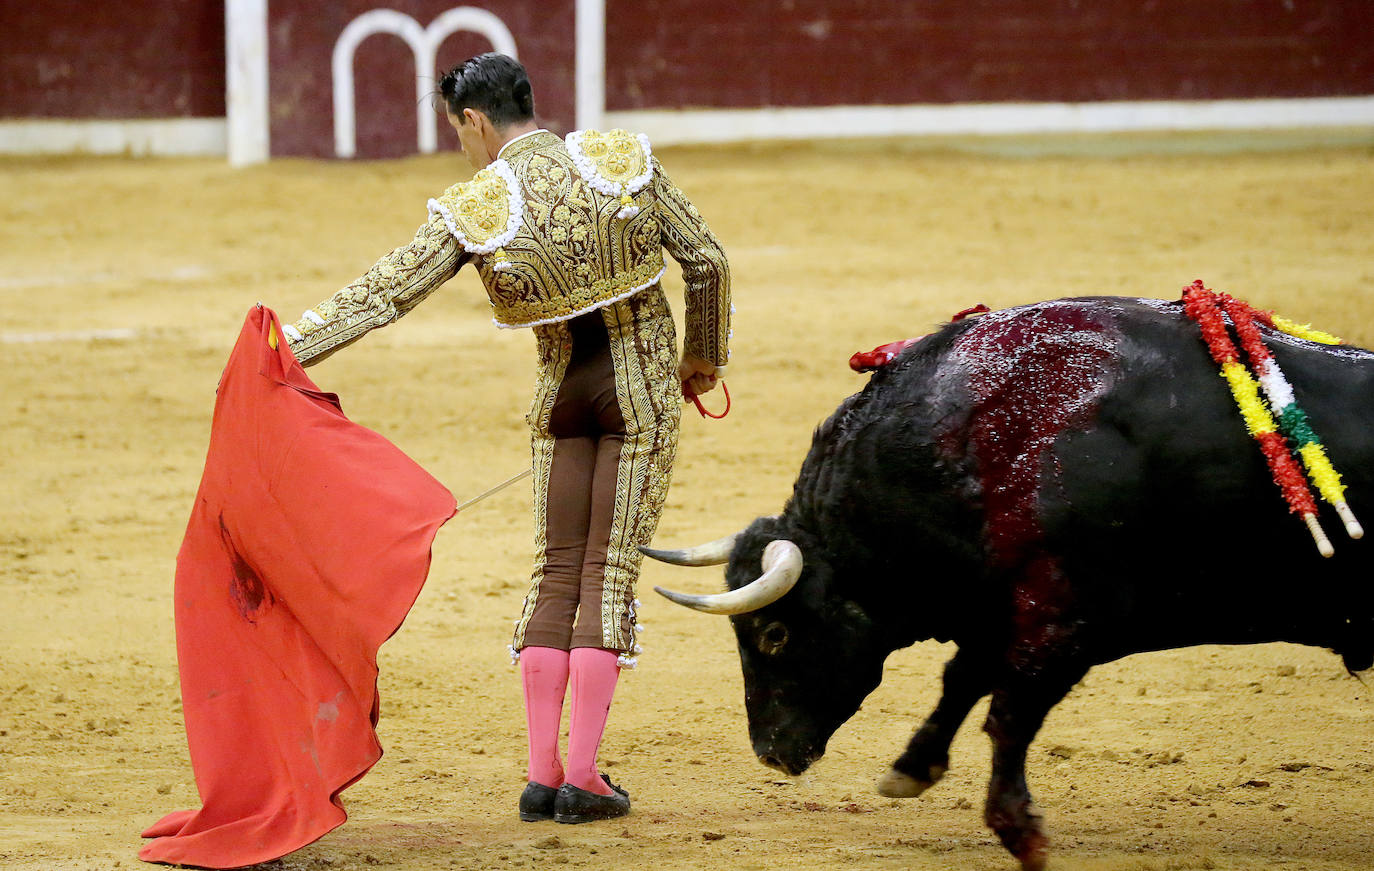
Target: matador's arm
<point>391,288</point>
<point>705,271</point>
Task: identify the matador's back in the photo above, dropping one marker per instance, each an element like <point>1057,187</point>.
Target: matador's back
<point>560,228</point>
<point>556,228</point>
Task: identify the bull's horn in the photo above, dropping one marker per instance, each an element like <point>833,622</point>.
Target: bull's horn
<point>782,566</point>
<point>712,553</point>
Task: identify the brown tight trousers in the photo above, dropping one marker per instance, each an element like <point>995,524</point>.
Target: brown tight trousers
<point>589,433</point>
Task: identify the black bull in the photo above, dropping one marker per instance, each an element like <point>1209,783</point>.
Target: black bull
<point>1050,487</point>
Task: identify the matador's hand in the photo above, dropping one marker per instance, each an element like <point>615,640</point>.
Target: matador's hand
<point>697,375</point>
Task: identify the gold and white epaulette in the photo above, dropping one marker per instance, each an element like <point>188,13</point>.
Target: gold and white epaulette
<point>617,164</point>
<point>484,213</point>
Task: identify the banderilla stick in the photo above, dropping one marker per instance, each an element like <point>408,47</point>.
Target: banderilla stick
<point>497,489</point>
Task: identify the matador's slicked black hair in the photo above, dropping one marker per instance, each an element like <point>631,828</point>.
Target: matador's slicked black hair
<point>494,84</point>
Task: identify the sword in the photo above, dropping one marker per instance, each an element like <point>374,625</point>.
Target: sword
<point>497,489</point>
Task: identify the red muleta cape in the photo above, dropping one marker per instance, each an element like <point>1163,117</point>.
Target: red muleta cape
<point>308,543</point>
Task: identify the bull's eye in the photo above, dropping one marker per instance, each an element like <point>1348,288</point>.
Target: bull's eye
<point>772,639</point>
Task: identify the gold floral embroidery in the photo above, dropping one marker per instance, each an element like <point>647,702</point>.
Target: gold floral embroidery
<point>616,155</point>
<point>482,213</point>
<point>615,164</point>
<point>571,253</point>
<point>392,287</point>
<point>485,212</point>
<point>531,307</point>
<point>705,271</point>
<point>644,357</point>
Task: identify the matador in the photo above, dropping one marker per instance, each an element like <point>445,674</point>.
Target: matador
<point>568,236</point>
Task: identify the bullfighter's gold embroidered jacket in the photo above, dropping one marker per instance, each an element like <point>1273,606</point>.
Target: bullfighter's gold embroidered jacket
<point>555,228</point>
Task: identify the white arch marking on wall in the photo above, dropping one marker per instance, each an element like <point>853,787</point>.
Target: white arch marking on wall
<point>424,45</point>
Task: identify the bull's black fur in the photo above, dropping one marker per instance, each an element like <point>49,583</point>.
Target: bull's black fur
<point>1160,515</point>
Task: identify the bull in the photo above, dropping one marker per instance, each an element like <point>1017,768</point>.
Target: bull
<point>1050,487</point>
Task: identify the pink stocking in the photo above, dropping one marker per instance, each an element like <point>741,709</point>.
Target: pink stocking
<point>544,674</point>
<point>593,672</point>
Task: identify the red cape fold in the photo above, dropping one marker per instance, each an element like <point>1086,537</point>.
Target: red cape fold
<point>308,543</point>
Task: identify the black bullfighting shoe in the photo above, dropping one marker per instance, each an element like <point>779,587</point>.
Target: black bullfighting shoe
<point>536,802</point>
<point>575,805</point>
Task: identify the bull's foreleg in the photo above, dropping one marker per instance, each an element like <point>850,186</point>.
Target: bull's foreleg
<point>1017,711</point>
<point>967,679</point>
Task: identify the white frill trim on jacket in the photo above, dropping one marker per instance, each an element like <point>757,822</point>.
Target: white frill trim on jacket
<point>592,176</point>
<point>516,216</point>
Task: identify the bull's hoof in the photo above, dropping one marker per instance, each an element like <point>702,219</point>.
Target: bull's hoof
<point>1018,826</point>
<point>1034,854</point>
<point>896,784</point>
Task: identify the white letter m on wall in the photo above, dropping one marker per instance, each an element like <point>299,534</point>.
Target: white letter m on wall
<point>424,44</point>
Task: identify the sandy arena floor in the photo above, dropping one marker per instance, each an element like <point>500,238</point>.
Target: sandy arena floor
<point>124,284</point>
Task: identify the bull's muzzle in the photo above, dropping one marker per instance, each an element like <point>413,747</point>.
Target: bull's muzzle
<point>773,762</point>
<point>789,764</point>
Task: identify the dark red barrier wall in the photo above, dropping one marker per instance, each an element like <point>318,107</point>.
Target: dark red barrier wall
<point>165,58</point>
<point>671,53</point>
<point>302,34</point>
<point>127,59</point>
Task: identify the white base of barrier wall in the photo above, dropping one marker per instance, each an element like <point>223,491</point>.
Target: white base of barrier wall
<point>172,137</point>
<point>695,126</point>
<point>208,136</point>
